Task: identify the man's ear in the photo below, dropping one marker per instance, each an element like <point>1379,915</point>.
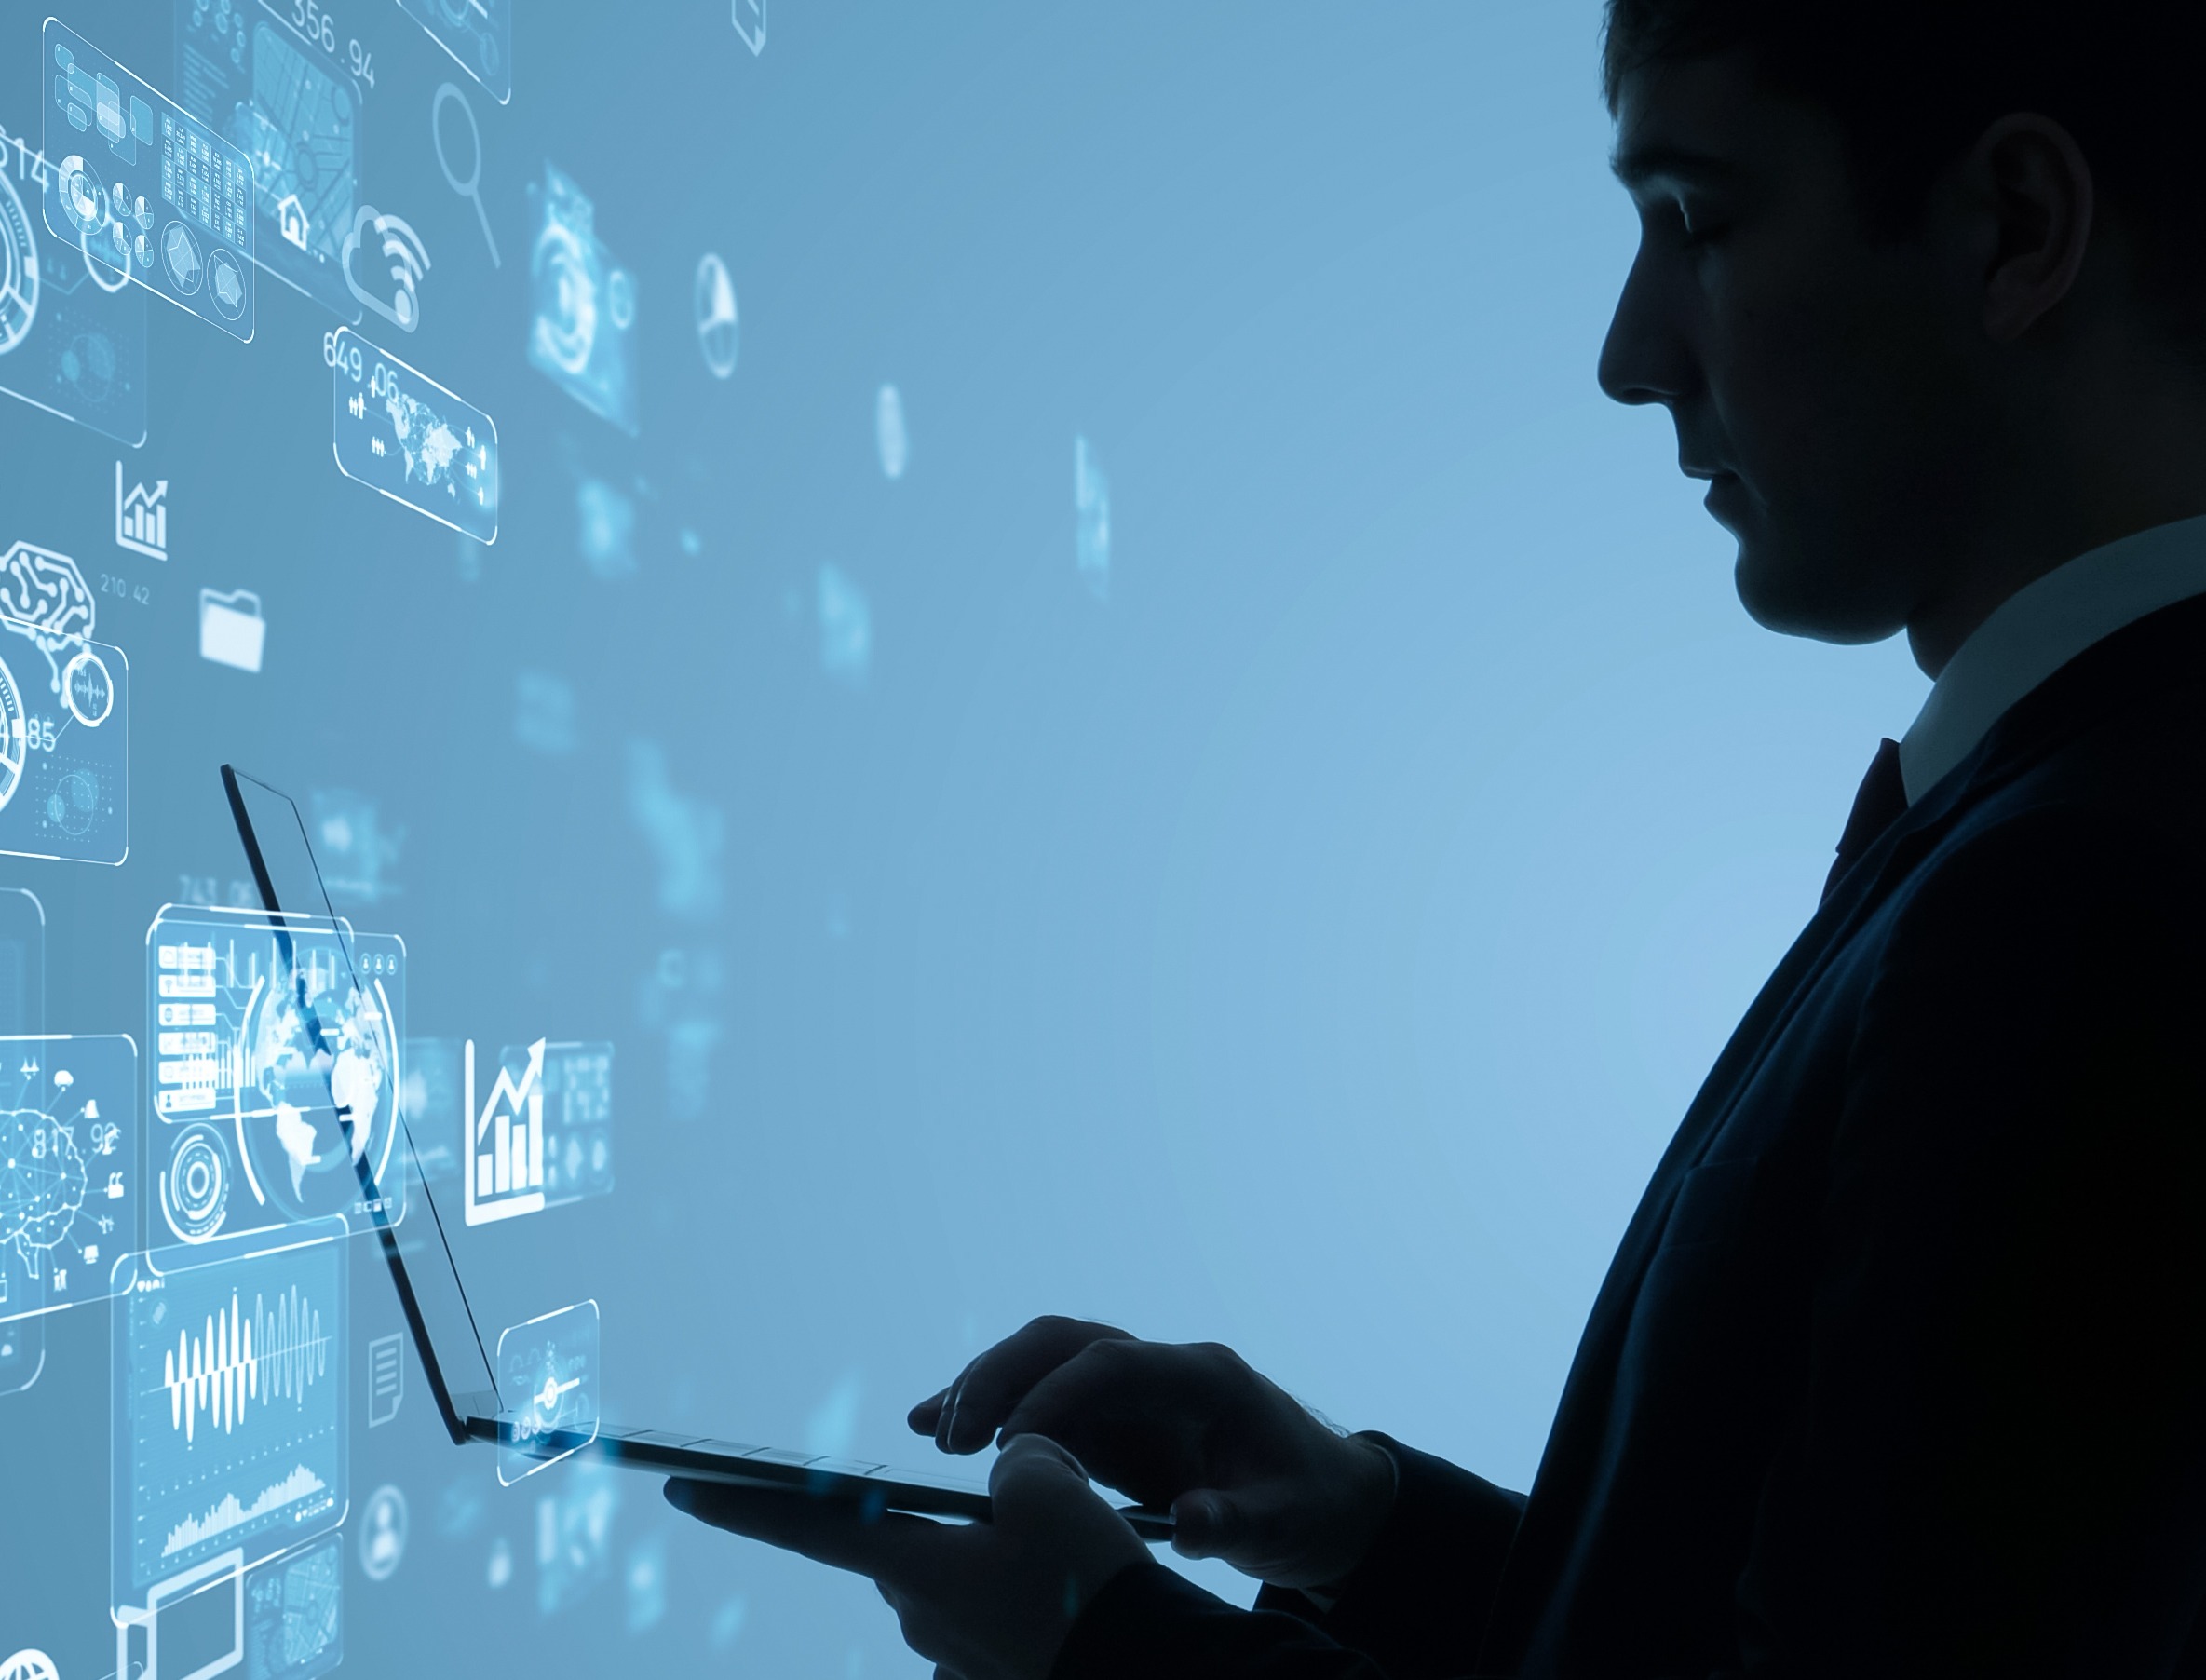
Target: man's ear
<point>2028,175</point>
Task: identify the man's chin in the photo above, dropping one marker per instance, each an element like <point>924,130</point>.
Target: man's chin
<point>1784,593</point>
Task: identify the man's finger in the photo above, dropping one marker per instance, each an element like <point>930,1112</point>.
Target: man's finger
<point>843,1534</point>
<point>968,1413</point>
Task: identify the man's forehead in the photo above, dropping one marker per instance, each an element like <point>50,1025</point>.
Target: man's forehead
<point>1700,119</point>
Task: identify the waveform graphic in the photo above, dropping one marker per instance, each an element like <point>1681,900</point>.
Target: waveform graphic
<point>276,1353</point>
<point>300,1484</point>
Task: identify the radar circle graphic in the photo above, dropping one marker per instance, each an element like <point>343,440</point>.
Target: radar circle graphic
<point>180,256</point>
<point>28,1665</point>
<point>73,804</point>
<point>318,1093</point>
<point>14,738</point>
<point>196,1189</point>
<point>89,688</point>
<point>19,269</point>
<point>227,287</point>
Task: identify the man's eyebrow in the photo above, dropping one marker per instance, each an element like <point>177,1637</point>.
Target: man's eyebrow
<point>1635,165</point>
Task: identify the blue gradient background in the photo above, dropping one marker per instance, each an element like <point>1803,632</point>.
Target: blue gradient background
<point>1311,948</point>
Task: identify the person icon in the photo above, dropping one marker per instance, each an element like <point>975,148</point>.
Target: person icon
<point>382,1533</point>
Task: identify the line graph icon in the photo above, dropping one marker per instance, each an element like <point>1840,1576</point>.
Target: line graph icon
<point>141,517</point>
<point>504,1142</point>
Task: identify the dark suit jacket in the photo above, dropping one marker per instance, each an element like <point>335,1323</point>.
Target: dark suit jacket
<point>1897,1370</point>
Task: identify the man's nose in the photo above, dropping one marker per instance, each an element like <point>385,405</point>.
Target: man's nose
<point>1645,357</point>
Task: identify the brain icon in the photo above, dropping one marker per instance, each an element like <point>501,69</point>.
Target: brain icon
<point>46,592</point>
<point>47,598</point>
<point>42,1181</point>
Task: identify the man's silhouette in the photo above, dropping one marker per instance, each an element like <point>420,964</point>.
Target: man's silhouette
<point>1896,1370</point>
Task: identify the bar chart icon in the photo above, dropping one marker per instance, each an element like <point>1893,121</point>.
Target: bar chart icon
<point>503,1170</point>
<point>141,517</point>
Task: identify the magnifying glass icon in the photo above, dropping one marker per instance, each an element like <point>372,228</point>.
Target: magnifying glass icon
<point>471,188</point>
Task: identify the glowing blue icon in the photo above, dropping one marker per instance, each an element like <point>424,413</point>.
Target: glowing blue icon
<point>1091,514</point>
<point>479,35</point>
<point>275,1073</point>
<point>542,1136</point>
<point>357,854</point>
<point>685,834</point>
<point>574,1535</point>
<point>383,260</point>
<point>845,629</point>
<point>889,436</point>
<point>471,188</point>
<point>647,1584</point>
<point>22,1348</point>
<point>681,997</point>
<point>18,270</point>
<point>400,433</point>
<point>719,322</point>
<point>232,631</point>
<point>382,1533</point>
<point>583,329</point>
<point>71,328</point>
<point>727,1624</point>
<point>751,24</point>
<point>146,186</point>
<point>544,714</point>
<point>606,521</point>
<point>295,116</point>
<point>548,1389</point>
<point>65,743</point>
<point>69,1178</point>
<point>231,1422</point>
<point>294,1614</point>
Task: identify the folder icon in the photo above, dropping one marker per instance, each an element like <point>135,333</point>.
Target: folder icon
<point>231,628</point>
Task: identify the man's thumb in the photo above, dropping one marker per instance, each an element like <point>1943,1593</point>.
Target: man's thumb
<point>1204,1522</point>
<point>1031,1464</point>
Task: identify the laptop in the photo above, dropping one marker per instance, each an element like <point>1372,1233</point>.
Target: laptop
<point>435,1302</point>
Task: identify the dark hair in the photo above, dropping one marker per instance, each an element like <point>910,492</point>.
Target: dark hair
<point>1912,83</point>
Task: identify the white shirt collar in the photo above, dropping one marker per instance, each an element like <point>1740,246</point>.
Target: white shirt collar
<point>2040,627</point>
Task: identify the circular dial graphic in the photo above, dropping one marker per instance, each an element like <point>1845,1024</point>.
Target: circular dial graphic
<point>196,1189</point>
<point>19,269</point>
<point>14,742</point>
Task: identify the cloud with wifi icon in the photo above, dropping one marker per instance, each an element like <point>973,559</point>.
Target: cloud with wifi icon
<point>397,300</point>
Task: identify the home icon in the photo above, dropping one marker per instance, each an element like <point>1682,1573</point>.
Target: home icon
<point>290,220</point>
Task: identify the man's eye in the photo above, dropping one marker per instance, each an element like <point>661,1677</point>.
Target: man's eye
<point>1698,229</point>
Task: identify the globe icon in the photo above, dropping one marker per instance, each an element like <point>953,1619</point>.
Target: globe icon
<point>28,1665</point>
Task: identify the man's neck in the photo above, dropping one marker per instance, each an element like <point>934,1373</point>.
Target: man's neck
<point>1942,622</point>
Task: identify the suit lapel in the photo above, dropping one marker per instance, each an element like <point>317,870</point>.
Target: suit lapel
<point>1571,1460</point>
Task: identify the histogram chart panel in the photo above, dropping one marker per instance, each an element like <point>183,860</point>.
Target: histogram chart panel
<point>542,1135</point>
<point>230,1427</point>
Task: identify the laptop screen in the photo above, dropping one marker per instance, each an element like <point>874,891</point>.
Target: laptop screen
<point>445,1334</point>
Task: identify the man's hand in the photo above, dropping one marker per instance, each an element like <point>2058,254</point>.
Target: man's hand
<point>989,1601</point>
<point>1249,1473</point>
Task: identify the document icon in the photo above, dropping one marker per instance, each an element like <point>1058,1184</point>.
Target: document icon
<point>231,628</point>
<point>386,1379</point>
